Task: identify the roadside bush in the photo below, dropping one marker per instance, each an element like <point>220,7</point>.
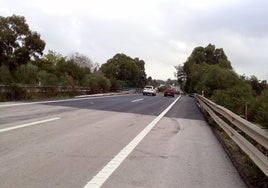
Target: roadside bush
<point>16,92</point>
<point>27,74</point>
<point>103,83</point>
<point>261,109</point>
<point>47,79</point>
<point>233,98</point>
<point>215,78</point>
<point>97,83</point>
<point>5,75</point>
<point>115,85</point>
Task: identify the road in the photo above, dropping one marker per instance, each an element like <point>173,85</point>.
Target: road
<point>111,141</point>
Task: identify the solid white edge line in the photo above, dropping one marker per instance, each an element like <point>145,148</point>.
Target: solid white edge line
<point>98,180</point>
<point>55,101</point>
<point>28,124</point>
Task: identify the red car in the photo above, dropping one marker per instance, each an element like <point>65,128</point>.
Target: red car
<point>169,92</point>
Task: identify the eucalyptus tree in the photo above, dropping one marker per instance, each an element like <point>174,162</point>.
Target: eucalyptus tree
<point>18,44</point>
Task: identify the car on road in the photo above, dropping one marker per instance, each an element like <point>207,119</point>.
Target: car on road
<point>149,90</point>
<point>169,92</point>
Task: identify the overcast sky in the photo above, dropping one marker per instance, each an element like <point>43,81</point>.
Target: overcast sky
<point>161,32</point>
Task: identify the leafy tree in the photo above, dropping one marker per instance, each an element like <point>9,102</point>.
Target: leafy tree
<point>82,61</point>
<point>199,63</point>
<point>126,70</point>
<point>180,75</point>
<point>261,108</point>
<point>209,70</point>
<point>215,78</point>
<point>149,80</point>
<point>47,79</point>
<point>234,98</point>
<point>49,61</point>
<point>195,73</point>
<point>18,43</point>
<point>71,70</point>
<point>115,85</point>
<point>27,74</point>
<point>141,66</point>
<point>209,55</point>
<point>68,72</point>
<point>97,83</point>
<point>66,80</point>
<point>257,85</point>
<point>6,77</point>
<point>104,84</point>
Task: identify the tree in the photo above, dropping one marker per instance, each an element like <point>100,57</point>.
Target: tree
<point>213,78</point>
<point>97,83</point>
<point>234,98</point>
<point>27,74</point>
<point>199,62</point>
<point>66,70</point>
<point>181,76</point>
<point>18,44</point>
<point>141,66</point>
<point>49,62</point>
<point>130,72</point>
<point>72,71</point>
<point>257,85</point>
<point>83,61</point>
<point>209,55</point>
<point>6,77</point>
<point>209,71</point>
<point>149,80</point>
<point>47,79</point>
<point>261,107</point>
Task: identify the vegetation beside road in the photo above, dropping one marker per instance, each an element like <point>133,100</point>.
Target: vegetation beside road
<point>209,72</point>
<point>22,63</point>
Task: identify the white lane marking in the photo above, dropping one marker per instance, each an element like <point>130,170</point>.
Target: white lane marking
<point>137,100</point>
<point>28,124</point>
<point>55,101</point>
<point>107,170</point>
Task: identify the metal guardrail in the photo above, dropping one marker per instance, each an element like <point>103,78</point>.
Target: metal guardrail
<point>254,132</point>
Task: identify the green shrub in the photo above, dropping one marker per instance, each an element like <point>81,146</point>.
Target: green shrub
<point>27,74</point>
<point>5,75</point>
<point>234,98</point>
<point>47,79</point>
<point>261,108</point>
<point>15,92</point>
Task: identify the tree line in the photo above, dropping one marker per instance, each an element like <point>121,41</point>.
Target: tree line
<point>22,62</point>
<point>209,72</point>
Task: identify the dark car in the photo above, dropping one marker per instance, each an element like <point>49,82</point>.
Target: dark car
<point>169,92</point>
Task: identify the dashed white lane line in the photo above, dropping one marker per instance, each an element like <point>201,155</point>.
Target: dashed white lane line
<point>98,180</point>
<point>28,124</point>
<point>137,100</point>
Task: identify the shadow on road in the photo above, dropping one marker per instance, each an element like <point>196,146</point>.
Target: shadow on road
<point>185,108</point>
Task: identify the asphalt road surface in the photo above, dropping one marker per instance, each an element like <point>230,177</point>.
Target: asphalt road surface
<point>111,141</point>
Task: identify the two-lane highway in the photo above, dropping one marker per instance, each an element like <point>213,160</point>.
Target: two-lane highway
<point>67,143</point>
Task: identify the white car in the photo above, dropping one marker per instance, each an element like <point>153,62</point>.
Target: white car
<point>149,90</point>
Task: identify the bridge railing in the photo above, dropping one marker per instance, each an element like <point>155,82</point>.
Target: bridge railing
<point>233,125</point>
